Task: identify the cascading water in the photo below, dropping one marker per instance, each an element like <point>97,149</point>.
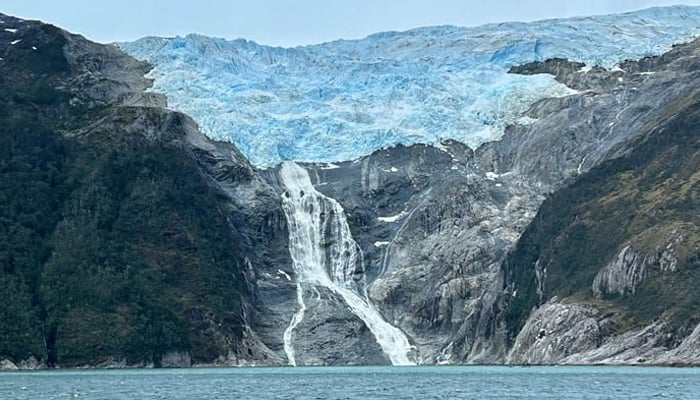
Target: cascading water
<point>325,255</point>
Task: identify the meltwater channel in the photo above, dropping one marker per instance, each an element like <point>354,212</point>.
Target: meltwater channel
<point>424,383</point>
<point>325,255</point>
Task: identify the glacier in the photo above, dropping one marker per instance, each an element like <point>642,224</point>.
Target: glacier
<point>341,100</point>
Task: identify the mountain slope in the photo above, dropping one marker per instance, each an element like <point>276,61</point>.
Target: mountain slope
<point>115,244</point>
<point>622,239</point>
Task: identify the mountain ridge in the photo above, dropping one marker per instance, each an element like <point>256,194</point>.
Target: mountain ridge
<point>649,10</point>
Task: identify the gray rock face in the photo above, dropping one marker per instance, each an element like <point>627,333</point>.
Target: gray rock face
<point>556,331</point>
<point>425,221</point>
<point>575,133</point>
<point>622,275</point>
<point>560,333</point>
<point>30,364</point>
<point>688,352</point>
<point>256,213</point>
<point>332,335</point>
<point>176,359</point>
<point>632,347</point>
<point>107,76</point>
<point>626,271</point>
<point>7,365</point>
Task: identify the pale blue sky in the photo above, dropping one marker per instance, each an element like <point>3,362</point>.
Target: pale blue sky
<point>290,23</point>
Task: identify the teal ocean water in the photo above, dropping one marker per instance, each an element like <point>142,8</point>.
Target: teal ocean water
<point>422,383</point>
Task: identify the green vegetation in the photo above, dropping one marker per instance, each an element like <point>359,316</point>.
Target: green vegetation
<point>646,198</point>
<point>112,245</point>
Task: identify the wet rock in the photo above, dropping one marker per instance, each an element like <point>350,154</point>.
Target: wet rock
<point>176,359</point>
<point>7,365</point>
<point>622,275</point>
<point>557,330</point>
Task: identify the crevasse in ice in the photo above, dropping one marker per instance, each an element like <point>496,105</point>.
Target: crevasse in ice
<point>344,99</point>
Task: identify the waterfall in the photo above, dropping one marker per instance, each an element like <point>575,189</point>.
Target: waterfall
<point>296,319</point>
<point>325,255</point>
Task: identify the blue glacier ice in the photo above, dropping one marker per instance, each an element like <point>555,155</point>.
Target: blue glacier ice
<point>344,99</point>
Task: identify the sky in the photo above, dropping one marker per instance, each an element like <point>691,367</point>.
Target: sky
<point>296,22</point>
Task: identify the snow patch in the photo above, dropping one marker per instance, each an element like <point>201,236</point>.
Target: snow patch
<point>381,243</point>
<point>286,275</point>
<point>617,69</point>
<point>393,218</point>
<point>14,42</point>
<point>11,30</point>
<point>492,176</point>
<point>33,47</point>
<point>579,169</point>
<point>526,120</point>
<point>329,166</point>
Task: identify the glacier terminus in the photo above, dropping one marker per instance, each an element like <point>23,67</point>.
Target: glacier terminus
<point>341,100</point>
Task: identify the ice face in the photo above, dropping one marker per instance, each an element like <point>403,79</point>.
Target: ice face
<point>342,100</point>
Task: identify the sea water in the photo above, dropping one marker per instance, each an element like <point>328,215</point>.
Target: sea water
<point>422,383</point>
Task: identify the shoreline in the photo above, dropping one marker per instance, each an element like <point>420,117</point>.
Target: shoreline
<point>150,367</point>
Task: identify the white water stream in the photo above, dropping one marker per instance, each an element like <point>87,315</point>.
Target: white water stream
<point>325,255</point>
